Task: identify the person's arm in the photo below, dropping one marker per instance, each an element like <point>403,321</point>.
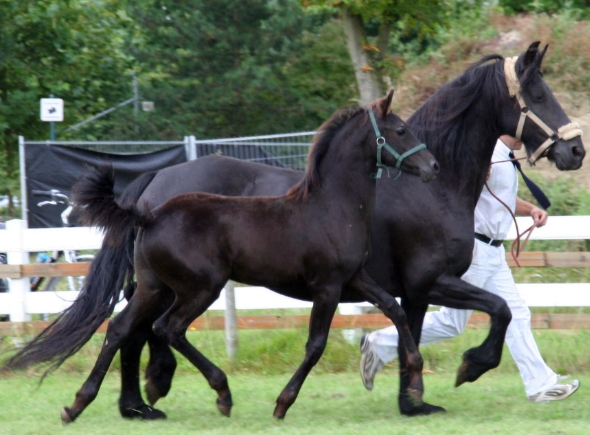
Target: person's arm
<point>524,208</point>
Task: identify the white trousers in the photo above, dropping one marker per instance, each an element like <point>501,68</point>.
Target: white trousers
<point>489,271</point>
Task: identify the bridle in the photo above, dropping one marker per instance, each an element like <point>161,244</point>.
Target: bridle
<point>381,143</point>
<point>566,132</point>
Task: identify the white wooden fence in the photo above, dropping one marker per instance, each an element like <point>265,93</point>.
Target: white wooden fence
<point>18,242</point>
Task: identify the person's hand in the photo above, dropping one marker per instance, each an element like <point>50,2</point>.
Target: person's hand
<point>539,216</point>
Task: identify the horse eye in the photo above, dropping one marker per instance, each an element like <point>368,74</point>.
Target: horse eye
<point>400,131</point>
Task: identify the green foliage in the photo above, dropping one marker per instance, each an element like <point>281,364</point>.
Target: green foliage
<point>217,74</point>
<point>579,8</point>
<point>71,49</point>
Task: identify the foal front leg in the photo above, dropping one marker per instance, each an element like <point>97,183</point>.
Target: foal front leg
<point>322,313</point>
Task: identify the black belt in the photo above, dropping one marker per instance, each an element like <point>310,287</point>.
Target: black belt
<point>488,241</point>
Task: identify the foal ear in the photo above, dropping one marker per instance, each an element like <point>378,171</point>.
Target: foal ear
<point>382,106</point>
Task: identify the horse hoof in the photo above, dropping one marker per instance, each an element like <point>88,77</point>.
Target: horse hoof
<point>142,412</point>
<point>424,409</point>
<point>66,417</point>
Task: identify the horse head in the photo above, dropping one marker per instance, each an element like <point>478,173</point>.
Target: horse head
<point>396,144</point>
<point>536,116</point>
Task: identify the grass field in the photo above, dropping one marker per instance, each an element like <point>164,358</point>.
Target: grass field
<point>328,404</point>
<point>332,401</point>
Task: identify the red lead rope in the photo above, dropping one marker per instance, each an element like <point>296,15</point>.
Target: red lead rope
<point>516,241</point>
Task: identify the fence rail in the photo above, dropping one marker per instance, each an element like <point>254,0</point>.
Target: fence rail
<point>19,241</point>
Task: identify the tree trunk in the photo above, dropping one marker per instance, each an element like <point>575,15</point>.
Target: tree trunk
<point>367,74</point>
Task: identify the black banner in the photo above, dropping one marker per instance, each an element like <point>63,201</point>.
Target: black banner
<point>59,167</point>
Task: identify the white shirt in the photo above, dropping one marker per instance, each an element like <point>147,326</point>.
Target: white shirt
<point>492,218</point>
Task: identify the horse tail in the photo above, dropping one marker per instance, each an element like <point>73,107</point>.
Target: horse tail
<point>110,270</point>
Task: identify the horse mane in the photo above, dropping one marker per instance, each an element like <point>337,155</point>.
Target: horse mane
<point>321,142</point>
<point>441,122</point>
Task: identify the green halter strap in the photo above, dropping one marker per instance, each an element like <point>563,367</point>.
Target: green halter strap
<point>381,143</point>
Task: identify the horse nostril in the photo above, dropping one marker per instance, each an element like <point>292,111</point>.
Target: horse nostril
<point>578,151</point>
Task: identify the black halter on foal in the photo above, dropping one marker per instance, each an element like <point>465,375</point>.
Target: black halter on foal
<point>381,143</point>
<point>566,132</point>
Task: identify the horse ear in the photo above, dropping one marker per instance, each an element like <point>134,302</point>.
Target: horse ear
<point>542,55</point>
<point>531,53</point>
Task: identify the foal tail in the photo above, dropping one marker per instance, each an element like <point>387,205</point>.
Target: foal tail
<point>110,270</point>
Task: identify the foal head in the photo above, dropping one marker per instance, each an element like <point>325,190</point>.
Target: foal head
<point>381,137</point>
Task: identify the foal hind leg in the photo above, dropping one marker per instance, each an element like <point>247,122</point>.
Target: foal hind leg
<point>120,328</point>
<point>173,325</point>
<point>324,306</point>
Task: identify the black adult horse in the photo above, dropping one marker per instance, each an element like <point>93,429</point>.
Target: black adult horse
<point>309,244</point>
<point>422,234</point>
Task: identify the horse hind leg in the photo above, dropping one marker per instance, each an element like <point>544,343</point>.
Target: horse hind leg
<point>173,325</point>
<point>160,370</point>
<point>158,374</point>
<point>131,404</point>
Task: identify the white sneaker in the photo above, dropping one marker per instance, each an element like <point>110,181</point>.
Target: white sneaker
<point>556,392</point>
<point>370,362</point>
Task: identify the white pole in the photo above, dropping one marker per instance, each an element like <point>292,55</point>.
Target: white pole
<point>18,288</point>
<point>231,321</point>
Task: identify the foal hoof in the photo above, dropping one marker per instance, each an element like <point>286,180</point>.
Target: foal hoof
<point>142,412</point>
<point>67,415</point>
<point>152,392</point>
<point>224,408</point>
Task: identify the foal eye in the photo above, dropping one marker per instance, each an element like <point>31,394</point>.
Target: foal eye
<point>400,131</point>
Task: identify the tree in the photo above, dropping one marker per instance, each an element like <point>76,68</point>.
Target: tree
<point>71,49</point>
<point>369,25</point>
<point>217,68</point>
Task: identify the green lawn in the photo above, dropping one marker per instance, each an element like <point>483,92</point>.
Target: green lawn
<point>328,404</point>
<point>333,400</point>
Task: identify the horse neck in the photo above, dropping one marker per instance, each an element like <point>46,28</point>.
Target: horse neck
<point>465,151</point>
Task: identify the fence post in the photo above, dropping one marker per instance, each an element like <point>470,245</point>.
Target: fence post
<point>190,145</point>
<point>18,288</point>
<point>231,321</point>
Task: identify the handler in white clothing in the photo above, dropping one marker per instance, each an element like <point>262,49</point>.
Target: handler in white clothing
<point>489,271</point>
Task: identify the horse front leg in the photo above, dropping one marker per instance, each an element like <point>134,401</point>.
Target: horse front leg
<point>415,317</point>
<point>453,292</point>
<point>411,362</point>
<point>322,313</point>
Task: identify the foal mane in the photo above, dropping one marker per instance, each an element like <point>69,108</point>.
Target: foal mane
<point>441,122</point>
<point>321,142</point>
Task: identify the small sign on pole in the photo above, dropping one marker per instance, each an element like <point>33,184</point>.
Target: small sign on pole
<point>52,109</point>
